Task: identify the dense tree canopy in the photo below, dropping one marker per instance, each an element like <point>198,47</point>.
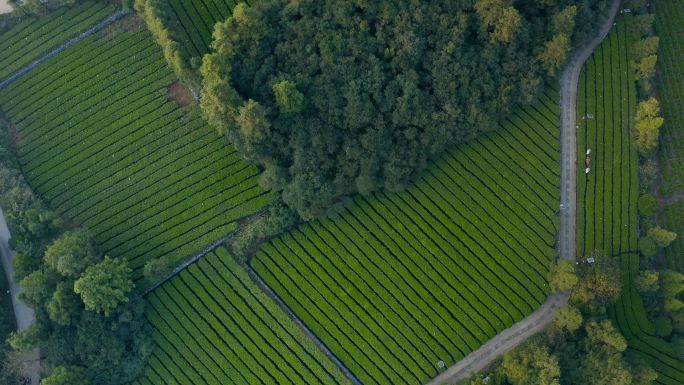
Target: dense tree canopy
<point>334,97</point>
<point>105,285</point>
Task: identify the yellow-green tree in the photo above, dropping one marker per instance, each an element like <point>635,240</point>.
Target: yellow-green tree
<point>647,123</point>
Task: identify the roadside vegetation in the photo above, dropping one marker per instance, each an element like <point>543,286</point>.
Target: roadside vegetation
<point>619,122</point>
<point>583,345</point>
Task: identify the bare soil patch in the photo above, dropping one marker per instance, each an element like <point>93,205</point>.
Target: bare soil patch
<point>129,23</point>
<point>181,94</point>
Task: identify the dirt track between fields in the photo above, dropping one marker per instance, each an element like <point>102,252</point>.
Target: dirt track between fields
<point>537,321</point>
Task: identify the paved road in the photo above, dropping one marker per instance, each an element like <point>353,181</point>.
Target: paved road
<point>537,321</point>
<point>23,313</point>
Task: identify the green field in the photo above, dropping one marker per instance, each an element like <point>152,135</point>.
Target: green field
<point>191,23</point>
<point>214,326</point>
<point>398,282</point>
<point>102,142</point>
<point>31,38</point>
<point>606,197</point>
<point>670,28</point>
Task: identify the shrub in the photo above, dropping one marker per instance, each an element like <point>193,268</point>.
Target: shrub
<point>648,174</point>
<point>661,237</point>
<point>647,205</point>
<point>647,247</point>
<point>663,326</point>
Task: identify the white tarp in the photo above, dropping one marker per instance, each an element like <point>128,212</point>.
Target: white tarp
<point>5,7</point>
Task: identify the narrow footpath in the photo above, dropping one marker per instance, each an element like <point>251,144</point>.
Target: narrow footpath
<point>97,27</point>
<point>537,321</point>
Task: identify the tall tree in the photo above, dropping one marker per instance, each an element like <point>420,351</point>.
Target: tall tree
<point>67,375</point>
<point>647,122</point>
<point>661,237</point>
<point>531,365</point>
<point>70,254</point>
<point>337,97</point>
<point>105,285</point>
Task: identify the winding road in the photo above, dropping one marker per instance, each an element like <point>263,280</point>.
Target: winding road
<point>537,321</point>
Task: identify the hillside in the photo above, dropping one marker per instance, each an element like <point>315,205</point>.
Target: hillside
<point>103,141</point>
<point>344,192</point>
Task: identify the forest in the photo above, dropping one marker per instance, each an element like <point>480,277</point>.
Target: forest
<point>333,98</point>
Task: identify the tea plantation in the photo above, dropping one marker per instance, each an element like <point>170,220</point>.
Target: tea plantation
<point>607,208</point>
<point>397,283</point>
<point>670,29</point>
<point>102,141</point>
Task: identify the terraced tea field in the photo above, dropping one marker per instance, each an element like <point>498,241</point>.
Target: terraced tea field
<point>31,38</point>
<point>213,325</point>
<point>607,208</point>
<point>100,139</point>
<point>397,283</point>
<point>670,28</point>
<point>192,22</point>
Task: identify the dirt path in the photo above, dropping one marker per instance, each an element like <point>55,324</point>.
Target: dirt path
<point>537,321</point>
<point>22,313</point>
<point>104,23</point>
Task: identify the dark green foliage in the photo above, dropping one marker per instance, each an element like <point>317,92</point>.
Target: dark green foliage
<point>277,219</point>
<point>647,247</point>
<point>338,97</point>
<point>669,25</point>
<point>599,282</point>
<point>647,205</point>
<point>67,375</point>
<point>104,286</point>
<point>84,347</point>
<point>663,326</point>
